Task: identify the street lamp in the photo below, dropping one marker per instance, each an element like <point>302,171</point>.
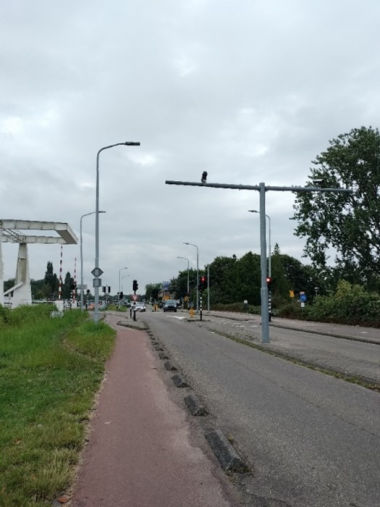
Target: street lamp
<point>81,255</point>
<point>97,272</point>
<point>269,242</point>
<point>188,263</point>
<point>195,246</point>
<point>120,270</point>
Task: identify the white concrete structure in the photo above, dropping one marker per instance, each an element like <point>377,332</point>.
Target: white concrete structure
<point>14,231</point>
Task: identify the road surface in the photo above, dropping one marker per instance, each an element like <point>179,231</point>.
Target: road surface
<point>310,439</point>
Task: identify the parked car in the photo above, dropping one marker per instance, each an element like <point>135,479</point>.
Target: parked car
<point>170,305</point>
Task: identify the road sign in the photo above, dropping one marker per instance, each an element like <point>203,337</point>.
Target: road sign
<point>96,282</point>
<point>97,272</point>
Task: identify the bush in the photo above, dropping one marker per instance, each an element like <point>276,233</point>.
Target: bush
<point>350,304</point>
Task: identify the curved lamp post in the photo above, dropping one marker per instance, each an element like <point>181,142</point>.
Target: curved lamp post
<point>81,255</point>
<point>192,244</point>
<point>97,271</point>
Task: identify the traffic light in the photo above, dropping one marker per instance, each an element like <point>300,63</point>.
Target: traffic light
<point>269,282</point>
<point>121,295</point>
<point>202,283</point>
<point>135,285</point>
<point>109,289</point>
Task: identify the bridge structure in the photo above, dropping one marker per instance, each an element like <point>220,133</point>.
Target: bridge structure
<point>20,231</point>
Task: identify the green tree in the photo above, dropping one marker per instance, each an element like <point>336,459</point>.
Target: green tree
<point>152,290</point>
<point>223,280</point>
<point>248,279</point>
<point>289,273</point>
<point>68,286</point>
<point>346,222</point>
<point>50,282</point>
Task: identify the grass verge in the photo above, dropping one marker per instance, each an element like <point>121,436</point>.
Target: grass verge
<point>50,370</point>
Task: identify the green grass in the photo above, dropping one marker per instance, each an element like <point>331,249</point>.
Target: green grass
<point>50,369</point>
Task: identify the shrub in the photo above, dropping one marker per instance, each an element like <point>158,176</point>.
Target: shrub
<point>350,304</point>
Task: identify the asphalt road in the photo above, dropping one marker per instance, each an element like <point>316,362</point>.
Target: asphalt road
<point>317,346</point>
<point>311,439</point>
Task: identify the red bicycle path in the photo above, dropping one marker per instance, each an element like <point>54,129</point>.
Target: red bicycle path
<point>141,449</point>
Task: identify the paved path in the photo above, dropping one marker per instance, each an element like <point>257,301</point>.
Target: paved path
<point>142,449</point>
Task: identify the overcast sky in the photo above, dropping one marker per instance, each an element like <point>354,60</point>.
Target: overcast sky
<point>248,90</point>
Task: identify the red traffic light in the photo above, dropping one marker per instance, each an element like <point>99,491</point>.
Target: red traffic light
<point>202,283</point>
<point>269,280</point>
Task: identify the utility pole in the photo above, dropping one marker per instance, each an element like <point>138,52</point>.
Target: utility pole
<point>262,188</point>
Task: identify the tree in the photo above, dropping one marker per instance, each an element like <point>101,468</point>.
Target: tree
<point>68,286</point>
<point>152,290</point>
<point>346,222</point>
<point>50,281</point>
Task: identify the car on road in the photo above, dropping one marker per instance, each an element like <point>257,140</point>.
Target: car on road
<point>140,307</point>
<point>170,305</point>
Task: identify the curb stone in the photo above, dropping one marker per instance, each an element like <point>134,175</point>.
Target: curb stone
<point>226,454</point>
<point>194,405</point>
<point>168,365</point>
<point>178,381</point>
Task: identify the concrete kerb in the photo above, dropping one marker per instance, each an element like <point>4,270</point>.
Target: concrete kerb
<point>178,381</point>
<point>133,324</point>
<point>226,454</point>
<point>195,406</point>
<point>169,366</point>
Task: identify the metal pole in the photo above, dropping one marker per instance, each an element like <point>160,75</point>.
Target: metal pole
<point>192,244</point>
<point>96,307</point>
<point>81,254</point>
<point>97,280</point>
<point>197,279</point>
<point>208,288</point>
<point>269,248</point>
<point>264,288</point>
<point>188,277</point>
<point>269,241</point>
<point>81,265</point>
